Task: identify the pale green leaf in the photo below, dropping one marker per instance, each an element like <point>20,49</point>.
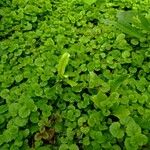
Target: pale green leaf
<point>63,62</point>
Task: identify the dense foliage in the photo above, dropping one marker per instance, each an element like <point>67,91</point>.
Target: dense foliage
<point>74,75</point>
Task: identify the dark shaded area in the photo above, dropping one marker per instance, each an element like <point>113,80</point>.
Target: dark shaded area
<point>66,46</point>
<point>35,25</point>
<point>146,147</point>
<point>51,82</point>
<point>54,6</point>
<point>2,101</point>
<point>17,83</point>
<point>94,21</point>
<point>88,53</point>
<point>85,90</point>
<point>31,141</point>
<point>110,69</point>
<point>41,16</point>
<point>116,6</point>
<point>113,118</point>
<point>120,142</point>
<point>93,91</point>
<point>78,140</point>
<point>108,93</point>
<point>6,35</point>
<point>79,5</point>
<point>98,72</point>
<point>24,54</point>
<point>136,77</point>
<point>38,42</point>
<point>127,8</point>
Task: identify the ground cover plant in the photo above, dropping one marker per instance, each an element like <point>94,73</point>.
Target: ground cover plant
<point>74,75</point>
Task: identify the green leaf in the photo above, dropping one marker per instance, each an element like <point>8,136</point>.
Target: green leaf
<point>100,97</point>
<point>130,21</point>
<point>3,109</point>
<point>64,147</point>
<point>24,112</point>
<point>84,130</point>
<point>144,22</point>
<point>46,112</point>
<point>63,62</point>
<point>122,112</point>
<point>115,130</point>
<point>30,104</point>
<point>89,2</point>
<point>129,145</point>
<point>97,136</point>
<point>13,109</point>
<point>20,121</point>
<point>34,117</point>
<point>71,83</point>
<point>86,140</point>
<point>133,128</point>
<point>116,83</point>
<point>126,17</point>
<point>128,29</point>
<point>11,133</point>
<point>140,139</point>
<point>39,62</point>
<point>73,147</point>
<point>143,121</point>
<point>82,120</point>
<point>94,80</point>
<point>2,119</point>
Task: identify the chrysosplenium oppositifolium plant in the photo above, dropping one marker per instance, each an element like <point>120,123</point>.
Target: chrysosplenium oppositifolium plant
<point>74,75</point>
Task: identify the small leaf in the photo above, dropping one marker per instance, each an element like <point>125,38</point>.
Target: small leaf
<point>71,83</point>
<point>84,130</point>
<point>97,99</point>
<point>2,119</point>
<point>116,83</point>
<point>63,147</point>
<point>129,145</point>
<point>94,80</point>
<point>3,109</point>
<point>11,133</point>
<point>13,109</point>
<point>86,140</point>
<point>34,117</point>
<point>140,139</point>
<point>20,121</point>
<point>73,147</point>
<point>121,112</point>
<point>62,64</point>
<point>115,130</point>
<point>144,122</point>
<point>97,136</point>
<point>24,112</point>
<point>133,128</point>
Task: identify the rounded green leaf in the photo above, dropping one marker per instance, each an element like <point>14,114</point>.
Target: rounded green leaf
<point>115,130</point>
<point>73,147</point>
<point>24,112</point>
<point>64,147</point>
<point>20,121</point>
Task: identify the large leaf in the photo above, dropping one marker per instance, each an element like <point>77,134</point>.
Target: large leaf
<point>63,63</point>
